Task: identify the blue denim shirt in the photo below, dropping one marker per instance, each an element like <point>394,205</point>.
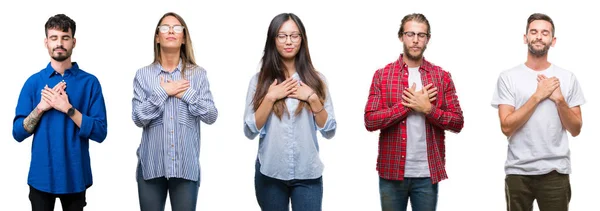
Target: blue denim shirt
<point>288,147</point>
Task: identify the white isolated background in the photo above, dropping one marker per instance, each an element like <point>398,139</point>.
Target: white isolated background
<point>473,40</point>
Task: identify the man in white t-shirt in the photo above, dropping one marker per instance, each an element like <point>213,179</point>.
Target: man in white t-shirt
<point>538,102</point>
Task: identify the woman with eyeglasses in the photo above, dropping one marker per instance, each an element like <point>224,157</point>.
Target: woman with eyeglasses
<point>171,98</point>
<point>287,103</point>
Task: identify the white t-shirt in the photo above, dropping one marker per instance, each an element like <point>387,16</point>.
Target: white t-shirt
<point>416,146</point>
<point>541,144</point>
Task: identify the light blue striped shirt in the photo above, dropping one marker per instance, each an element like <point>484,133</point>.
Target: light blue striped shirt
<point>288,148</point>
<point>170,145</point>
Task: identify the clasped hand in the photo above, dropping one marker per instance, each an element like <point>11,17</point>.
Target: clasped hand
<point>419,101</point>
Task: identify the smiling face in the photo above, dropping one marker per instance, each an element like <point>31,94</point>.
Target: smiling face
<point>288,40</point>
<point>539,38</point>
<point>60,44</point>
<point>170,33</point>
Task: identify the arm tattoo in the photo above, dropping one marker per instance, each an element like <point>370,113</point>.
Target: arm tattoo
<point>32,120</point>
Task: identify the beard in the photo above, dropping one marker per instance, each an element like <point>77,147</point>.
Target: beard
<point>61,56</point>
<point>414,57</point>
<point>538,52</point>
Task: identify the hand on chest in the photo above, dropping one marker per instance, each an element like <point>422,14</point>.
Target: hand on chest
<point>416,80</point>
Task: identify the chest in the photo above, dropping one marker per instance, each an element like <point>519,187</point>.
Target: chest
<point>393,84</point>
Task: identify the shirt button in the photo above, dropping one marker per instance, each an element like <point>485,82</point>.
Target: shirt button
<point>171,117</point>
<point>403,122</point>
<point>402,156</point>
<point>171,131</point>
<point>403,139</point>
<point>174,158</point>
<point>172,145</point>
<point>405,73</point>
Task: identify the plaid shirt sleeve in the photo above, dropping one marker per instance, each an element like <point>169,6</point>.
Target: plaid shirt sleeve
<point>449,116</point>
<point>377,114</point>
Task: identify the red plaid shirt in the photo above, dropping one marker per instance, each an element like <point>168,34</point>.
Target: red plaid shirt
<point>385,112</point>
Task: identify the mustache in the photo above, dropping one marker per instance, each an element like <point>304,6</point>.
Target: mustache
<point>59,47</point>
<point>538,41</point>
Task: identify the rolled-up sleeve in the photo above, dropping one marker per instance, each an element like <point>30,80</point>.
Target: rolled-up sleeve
<point>200,100</point>
<point>329,128</point>
<point>250,129</point>
<point>94,123</point>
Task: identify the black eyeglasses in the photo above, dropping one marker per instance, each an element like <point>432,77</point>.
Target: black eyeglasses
<point>420,35</point>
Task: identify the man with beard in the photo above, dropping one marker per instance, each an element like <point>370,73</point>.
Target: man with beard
<point>412,102</point>
<point>62,120</point>
<point>538,102</point>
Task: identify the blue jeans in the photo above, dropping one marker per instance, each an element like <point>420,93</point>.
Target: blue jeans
<point>183,193</point>
<point>395,194</point>
<point>274,194</point>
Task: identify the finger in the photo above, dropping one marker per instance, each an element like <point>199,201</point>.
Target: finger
<point>428,86</point>
<point>301,83</point>
<point>290,85</point>
<point>408,100</point>
<point>57,86</point>
<point>434,89</point>
<point>407,105</point>
<point>181,89</point>
<point>411,91</point>
<point>47,100</point>
<point>291,93</point>
<point>432,99</point>
<point>414,86</point>
<point>433,94</point>
<point>46,96</point>
<point>292,82</point>
<point>47,92</point>
<point>274,82</point>
<point>408,94</point>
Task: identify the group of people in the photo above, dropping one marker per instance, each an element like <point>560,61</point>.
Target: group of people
<point>411,101</point>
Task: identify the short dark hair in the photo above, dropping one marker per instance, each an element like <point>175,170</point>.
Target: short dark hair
<point>60,22</point>
<point>417,17</point>
<point>539,16</point>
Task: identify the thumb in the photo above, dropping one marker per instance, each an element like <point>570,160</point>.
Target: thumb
<point>274,82</point>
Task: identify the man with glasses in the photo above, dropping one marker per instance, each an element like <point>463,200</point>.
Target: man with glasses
<point>412,102</point>
<point>538,102</point>
<point>62,120</point>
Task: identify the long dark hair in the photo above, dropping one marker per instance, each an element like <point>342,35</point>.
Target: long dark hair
<point>273,68</point>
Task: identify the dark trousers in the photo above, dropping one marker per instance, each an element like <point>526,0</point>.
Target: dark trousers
<point>42,201</point>
<point>552,191</point>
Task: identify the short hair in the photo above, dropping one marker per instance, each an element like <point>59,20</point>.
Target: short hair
<point>60,22</point>
<point>539,16</point>
<point>417,17</point>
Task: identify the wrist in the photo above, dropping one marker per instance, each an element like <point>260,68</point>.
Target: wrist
<point>39,110</point>
<point>537,98</point>
<point>560,101</point>
<point>270,99</point>
<point>428,109</point>
<point>66,108</point>
<point>312,98</point>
